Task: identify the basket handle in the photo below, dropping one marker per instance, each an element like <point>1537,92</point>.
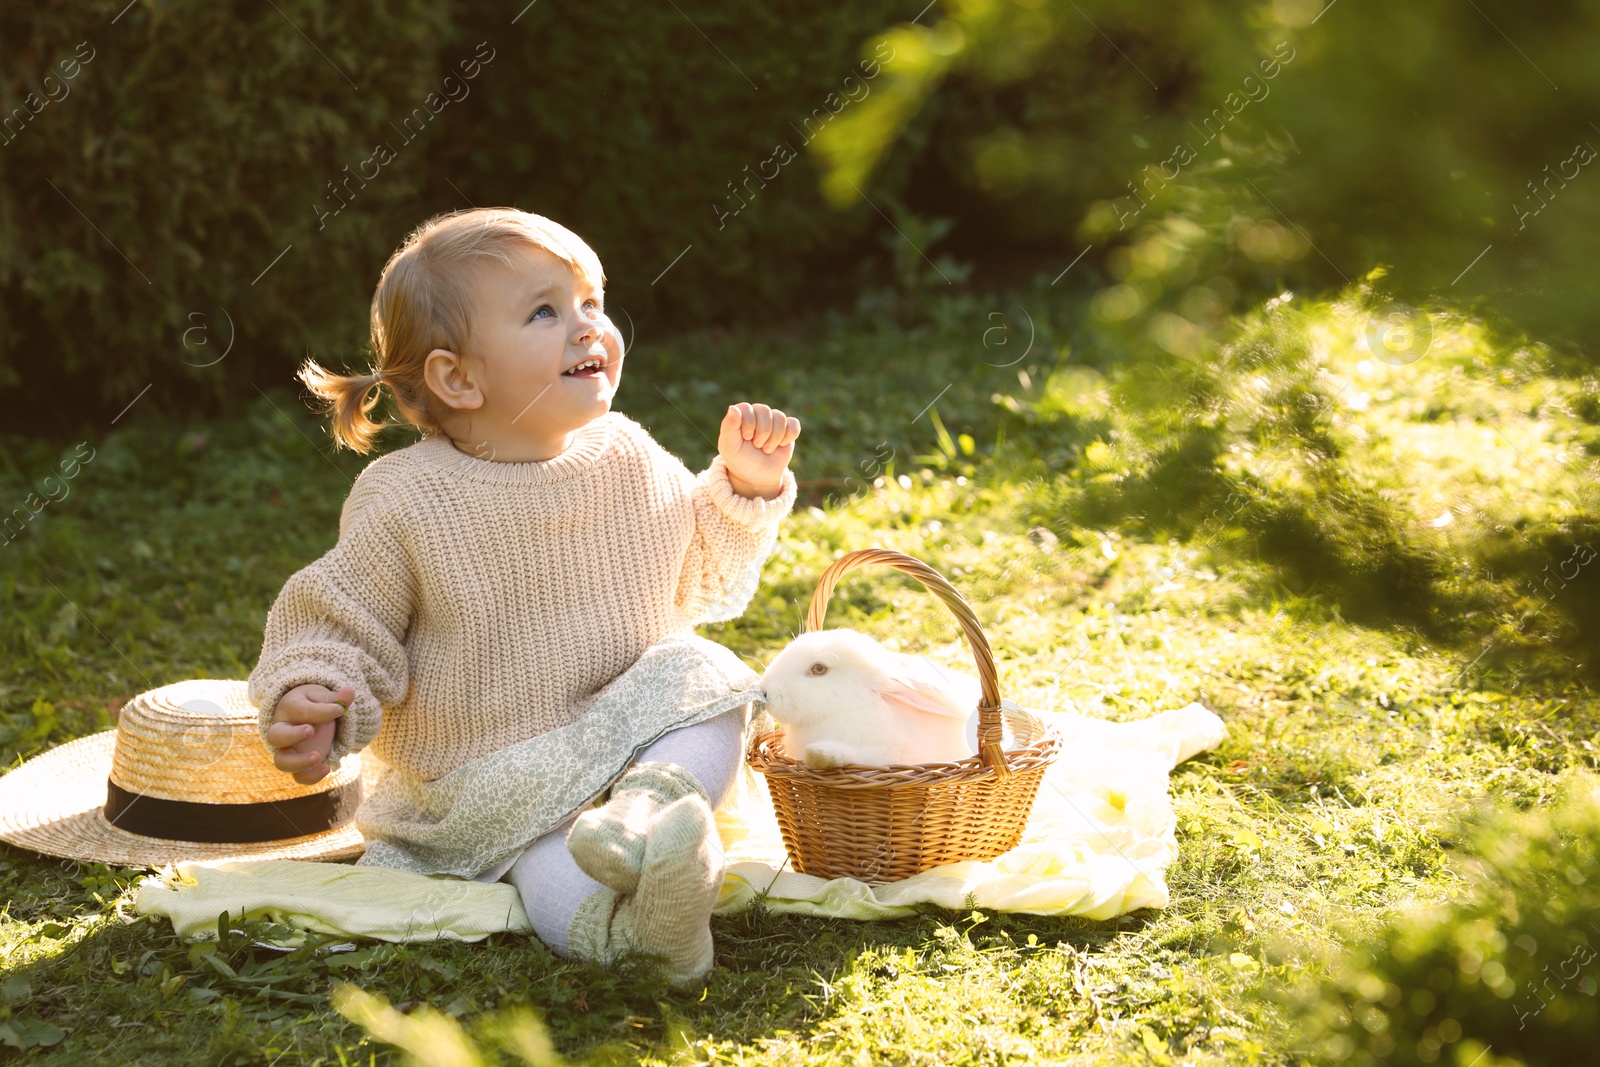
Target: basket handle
<point>989,722</point>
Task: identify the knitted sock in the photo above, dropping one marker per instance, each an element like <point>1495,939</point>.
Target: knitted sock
<point>549,880</point>
<point>552,887</point>
<point>608,843</point>
<point>669,915</point>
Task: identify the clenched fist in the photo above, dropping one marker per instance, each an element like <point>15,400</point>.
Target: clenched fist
<point>756,443</point>
<point>302,730</point>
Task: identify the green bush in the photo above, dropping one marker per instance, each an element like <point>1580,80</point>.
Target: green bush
<point>195,144</point>
<point>652,129</point>
<point>1507,974</point>
<point>1196,153</point>
<point>140,212</point>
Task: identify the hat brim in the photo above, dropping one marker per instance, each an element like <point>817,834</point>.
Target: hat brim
<point>52,804</point>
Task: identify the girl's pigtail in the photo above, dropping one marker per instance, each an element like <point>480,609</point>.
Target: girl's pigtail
<point>346,399</point>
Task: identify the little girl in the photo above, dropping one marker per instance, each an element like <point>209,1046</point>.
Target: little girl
<point>507,617</point>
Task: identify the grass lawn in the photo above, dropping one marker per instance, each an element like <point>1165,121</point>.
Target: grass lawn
<point>1354,750</point>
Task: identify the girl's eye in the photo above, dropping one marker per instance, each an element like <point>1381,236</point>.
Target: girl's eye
<point>542,307</point>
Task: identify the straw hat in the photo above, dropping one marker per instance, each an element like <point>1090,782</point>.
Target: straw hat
<point>184,776</point>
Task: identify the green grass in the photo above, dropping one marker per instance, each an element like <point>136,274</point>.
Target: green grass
<point>1354,749</point>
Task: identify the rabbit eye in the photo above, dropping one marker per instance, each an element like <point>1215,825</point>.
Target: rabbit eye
<point>818,668</point>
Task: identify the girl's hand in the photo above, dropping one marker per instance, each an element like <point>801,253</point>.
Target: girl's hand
<point>756,442</point>
<point>302,730</point>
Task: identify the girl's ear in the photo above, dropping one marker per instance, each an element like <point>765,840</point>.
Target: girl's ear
<point>449,378</point>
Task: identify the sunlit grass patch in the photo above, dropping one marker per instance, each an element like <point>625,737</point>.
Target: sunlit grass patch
<point>1449,487</point>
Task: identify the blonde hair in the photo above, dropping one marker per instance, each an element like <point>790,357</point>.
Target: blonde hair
<point>424,301</point>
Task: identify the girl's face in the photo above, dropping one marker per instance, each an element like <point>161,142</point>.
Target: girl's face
<point>547,360</point>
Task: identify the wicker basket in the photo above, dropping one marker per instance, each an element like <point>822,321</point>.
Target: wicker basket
<point>881,824</point>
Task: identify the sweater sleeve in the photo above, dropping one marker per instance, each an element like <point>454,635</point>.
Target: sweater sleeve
<point>732,537</point>
<point>341,620</point>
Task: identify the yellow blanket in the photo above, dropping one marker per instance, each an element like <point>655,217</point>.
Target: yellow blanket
<point>1097,844</point>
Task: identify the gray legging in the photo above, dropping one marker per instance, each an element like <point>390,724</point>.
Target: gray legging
<point>551,884</point>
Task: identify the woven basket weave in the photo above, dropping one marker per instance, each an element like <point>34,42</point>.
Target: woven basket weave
<point>882,824</point>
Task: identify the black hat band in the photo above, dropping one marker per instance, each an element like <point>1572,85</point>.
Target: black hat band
<point>272,820</point>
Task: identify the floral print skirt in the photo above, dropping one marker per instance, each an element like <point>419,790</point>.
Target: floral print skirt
<point>475,821</point>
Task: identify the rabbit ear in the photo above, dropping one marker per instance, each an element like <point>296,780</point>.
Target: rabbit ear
<point>911,685</point>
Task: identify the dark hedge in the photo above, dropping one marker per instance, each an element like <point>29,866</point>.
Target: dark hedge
<point>188,179</point>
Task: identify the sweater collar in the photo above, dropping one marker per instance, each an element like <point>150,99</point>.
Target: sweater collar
<point>588,444</point>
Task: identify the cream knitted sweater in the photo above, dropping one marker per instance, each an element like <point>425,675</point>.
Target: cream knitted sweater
<point>471,604</point>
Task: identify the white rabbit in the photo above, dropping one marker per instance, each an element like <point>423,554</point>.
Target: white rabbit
<point>843,698</point>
